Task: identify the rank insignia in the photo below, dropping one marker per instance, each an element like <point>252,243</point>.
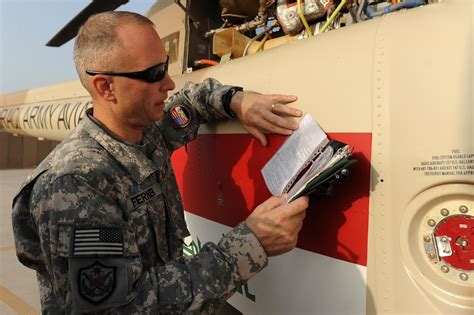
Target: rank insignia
<point>180,115</point>
<point>96,282</point>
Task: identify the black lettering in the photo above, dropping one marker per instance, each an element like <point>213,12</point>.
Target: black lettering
<point>34,112</point>
<point>13,118</point>
<point>3,115</point>
<point>26,115</point>
<point>139,199</point>
<point>75,110</point>
<point>83,110</point>
<point>43,119</point>
<point>17,117</point>
<point>71,115</point>
<point>151,192</point>
<point>38,118</point>
<point>142,197</point>
<point>8,117</point>
<point>63,116</point>
<point>51,113</point>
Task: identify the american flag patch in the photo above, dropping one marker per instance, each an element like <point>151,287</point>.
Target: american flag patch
<point>180,116</point>
<point>98,241</point>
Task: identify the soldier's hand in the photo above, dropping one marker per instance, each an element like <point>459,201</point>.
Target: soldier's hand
<point>277,225</point>
<point>265,112</point>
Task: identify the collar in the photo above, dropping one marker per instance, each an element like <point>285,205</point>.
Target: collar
<point>129,155</point>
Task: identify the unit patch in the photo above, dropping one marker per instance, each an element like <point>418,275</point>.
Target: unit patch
<point>97,282</point>
<point>180,115</point>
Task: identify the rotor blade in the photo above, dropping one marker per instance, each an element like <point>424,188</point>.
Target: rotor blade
<point>69,31</point>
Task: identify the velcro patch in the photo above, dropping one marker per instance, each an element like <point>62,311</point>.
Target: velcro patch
<point>180,116</point>
<point>97,241</point>
<point>97,282</point>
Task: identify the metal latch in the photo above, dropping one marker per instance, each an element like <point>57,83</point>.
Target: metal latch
<point>443,246</point>
<point>437,247</point>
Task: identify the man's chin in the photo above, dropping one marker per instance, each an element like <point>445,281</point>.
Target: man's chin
<point>157,114</point>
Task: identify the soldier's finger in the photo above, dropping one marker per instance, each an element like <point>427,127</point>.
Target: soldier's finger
<point>296,207</point>
<point>265,124</point>
<point>278,121</point>
<point>272,203</point>
<point>260,136</point>
<point>283,109</point>
<point>283,98</point>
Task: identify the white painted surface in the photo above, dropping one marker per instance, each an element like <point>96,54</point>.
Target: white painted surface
<point>299,282</point>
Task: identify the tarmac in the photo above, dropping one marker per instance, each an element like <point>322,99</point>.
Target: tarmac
<point>18,288</point>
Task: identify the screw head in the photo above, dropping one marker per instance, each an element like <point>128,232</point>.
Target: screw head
<point>444,212</point>
<point>463,276</point>
<point>426,238</point>
<point>463,243</point>
<point>463,209</point>
<point>431,222</point>
<point>444,268</point>
<point>345,172</point>
<point>431,255</point>
<point>444,239</point>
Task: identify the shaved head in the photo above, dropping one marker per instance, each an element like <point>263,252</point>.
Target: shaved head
<point>98,46</point>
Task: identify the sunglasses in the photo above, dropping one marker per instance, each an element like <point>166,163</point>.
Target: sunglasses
<point>150,75</point>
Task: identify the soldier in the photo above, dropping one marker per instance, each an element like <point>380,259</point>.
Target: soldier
<point>101,219</point>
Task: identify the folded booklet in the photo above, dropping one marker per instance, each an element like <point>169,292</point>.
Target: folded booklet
<point>307,162</point>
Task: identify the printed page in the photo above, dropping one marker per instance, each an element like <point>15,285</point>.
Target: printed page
<point>316,167</point>
<point>327,161</point>
<point>296,150</point>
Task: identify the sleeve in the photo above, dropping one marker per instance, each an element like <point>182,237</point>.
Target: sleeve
<point>193,105</point>
<point>95,264</point>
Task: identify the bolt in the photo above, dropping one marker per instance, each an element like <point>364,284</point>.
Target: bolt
<point>345,172</point>
<point>444,212</point>
<point>431,255</point>
<point>444,268</point>
<point>426,238</point>
<point>463,209</point>
<point>463,276</point>
<point>431,222</point>
<point>444,239</point>
<point>464,243</point>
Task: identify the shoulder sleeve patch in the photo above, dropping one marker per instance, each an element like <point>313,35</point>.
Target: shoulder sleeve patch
<point>180,115</point>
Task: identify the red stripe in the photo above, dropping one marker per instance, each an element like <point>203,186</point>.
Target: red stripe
<point>222,180</point>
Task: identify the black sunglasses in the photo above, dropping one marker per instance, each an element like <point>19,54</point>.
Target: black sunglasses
<point>150,75</point>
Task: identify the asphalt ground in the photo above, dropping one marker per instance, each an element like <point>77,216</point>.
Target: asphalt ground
<point>18,288</point>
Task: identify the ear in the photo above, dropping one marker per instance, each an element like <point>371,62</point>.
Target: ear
<point>104,86</point>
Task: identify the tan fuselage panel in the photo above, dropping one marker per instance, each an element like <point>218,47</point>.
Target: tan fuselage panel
<point>406,79</point>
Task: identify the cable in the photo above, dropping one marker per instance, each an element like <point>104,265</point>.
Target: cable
<point>251,42</point>
<point>267,29</point>
<point>305,23</point>
<point>208,62</point>
<point>333,15</point>
<point>260,46</point>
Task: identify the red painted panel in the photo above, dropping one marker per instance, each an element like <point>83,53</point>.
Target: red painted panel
<point>220,180</point>
<point>460,231</point>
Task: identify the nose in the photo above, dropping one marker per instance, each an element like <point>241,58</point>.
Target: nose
<point>167,84</point>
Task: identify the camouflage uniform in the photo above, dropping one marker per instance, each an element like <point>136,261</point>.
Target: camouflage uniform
<point>102,223</point>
